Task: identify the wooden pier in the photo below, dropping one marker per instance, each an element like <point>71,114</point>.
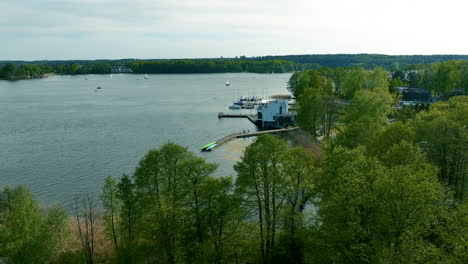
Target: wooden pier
<point>252,118</point>
<point>232,136</point>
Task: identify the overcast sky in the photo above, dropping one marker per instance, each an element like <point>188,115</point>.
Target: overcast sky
<point>112,29</point>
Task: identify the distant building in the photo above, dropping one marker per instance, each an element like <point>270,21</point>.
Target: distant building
<point>401,89</point>
<point>121,69</point>
<point>458,91</point>
<point>275,114</point>
<point>416,94</point>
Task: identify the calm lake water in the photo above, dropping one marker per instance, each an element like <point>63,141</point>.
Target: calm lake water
<point>60,136</point>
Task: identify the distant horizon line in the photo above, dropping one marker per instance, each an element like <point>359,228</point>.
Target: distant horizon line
<point>240,56</point>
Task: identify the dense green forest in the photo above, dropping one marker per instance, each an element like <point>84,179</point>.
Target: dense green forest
<point>28,71</point>
<point>214,66</point>
<point>330,99</point>
<point>381,184</point>
<point>11,71</point>
<point>367,61</point>
<point>25,71</point>
<point>266,64</point>
<point>440,79</point>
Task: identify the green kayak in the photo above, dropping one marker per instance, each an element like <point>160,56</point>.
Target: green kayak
<point>207,145</point>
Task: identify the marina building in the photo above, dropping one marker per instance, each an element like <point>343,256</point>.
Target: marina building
<point>275,114</point>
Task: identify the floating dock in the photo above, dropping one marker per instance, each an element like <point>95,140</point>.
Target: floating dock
<point>232,136</point>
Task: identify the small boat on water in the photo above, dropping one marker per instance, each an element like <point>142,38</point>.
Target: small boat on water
<point>227,83</point>
<point>207,145</point>
<point>98,88</point>
<point>211,147</point>
<point>146,76</point>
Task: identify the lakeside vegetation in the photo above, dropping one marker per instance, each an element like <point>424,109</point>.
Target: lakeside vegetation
<point>351,106</point>
<point>368,191</point>
<point>367,61</point>
<point>267,64</point>
<point>440,79</point>
<point>12,72</point>
<point>214,66</point>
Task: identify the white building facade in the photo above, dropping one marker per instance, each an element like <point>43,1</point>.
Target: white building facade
<point>276,114</point>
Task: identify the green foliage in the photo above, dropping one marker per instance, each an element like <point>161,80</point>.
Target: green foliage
<point>293,83</point>
<point>394,83</point>
<point>161,182</point>
<point>212,66</point>
<point>318,107</point>
<point>374,213</point>
<point>26,234</point>
<point>409,112</point>
<point>10,71</point>
<point>443,80</point>
<point>275,182</point>
<point>392,134</point>
<point>408,204</point>
<point>221,214</point>
<point>70,257</point>
<point>353,81</point>
<point>299,188</point>
<point>410,69</point>
<point>346,202</point>
<point>443,134</point>
<point>261,181</point>
<point>111,205</point>
<point>172,210</point>
<point>376,203</point>
<point>443,77</point>
<point>367,61</point>
<point>318,93</point>
<point>378,78</point>
<point>453,234</point>
<point>365,117</point>
<point>128,216</point>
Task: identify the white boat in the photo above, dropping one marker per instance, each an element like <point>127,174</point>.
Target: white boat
<point>227,83</point>
<point>146,76</point>
<point>248,106</point>
<point>235,107</point>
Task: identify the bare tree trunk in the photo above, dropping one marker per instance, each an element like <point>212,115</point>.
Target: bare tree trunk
<point>86,219</point>
<point>273,222</point>
<point>114,234</point>
<point>260,215</point>
<point>266,194</point>
<point>197,215</point>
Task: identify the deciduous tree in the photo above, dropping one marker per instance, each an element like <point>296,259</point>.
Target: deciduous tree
<point>261,180</point>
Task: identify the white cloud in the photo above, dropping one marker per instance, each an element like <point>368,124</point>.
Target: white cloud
<point>213,28</point>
